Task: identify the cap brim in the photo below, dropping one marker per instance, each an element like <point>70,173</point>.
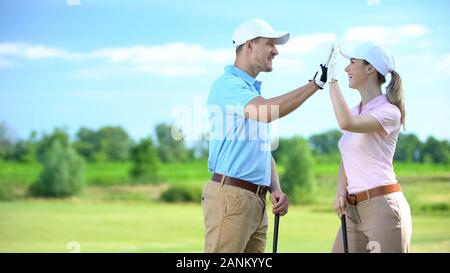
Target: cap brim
<point>350,55</point>
<point>281,36</point>
<point>346,55</point>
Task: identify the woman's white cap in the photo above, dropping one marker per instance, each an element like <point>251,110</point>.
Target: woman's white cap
<point>374,53</point>
<point>254,28</point>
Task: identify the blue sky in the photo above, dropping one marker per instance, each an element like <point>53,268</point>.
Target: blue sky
<point>137,63</point>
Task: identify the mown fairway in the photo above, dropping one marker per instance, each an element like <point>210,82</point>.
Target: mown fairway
<point>48,226</point>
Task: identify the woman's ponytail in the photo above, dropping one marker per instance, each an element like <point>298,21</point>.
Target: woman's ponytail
<point>394,92</point>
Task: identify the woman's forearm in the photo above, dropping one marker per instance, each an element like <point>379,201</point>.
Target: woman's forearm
<point>341,109</point>
<point>341,188</point>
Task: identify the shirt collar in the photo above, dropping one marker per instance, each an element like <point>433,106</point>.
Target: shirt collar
<point>245,76</point>
<point>377,101</point>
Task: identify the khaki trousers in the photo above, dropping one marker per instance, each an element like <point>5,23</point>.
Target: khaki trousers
<point>235,219</point>
<point>381,224</point>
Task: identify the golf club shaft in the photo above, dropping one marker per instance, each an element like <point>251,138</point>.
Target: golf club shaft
<point>344,233</point>
<point>275,232</point>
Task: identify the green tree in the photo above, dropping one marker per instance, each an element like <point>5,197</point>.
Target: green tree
<point>87,144</point>
<point>145,161</point>
<point>409,148</point>
<point>63,173</point>
<point>298,179</point>
<point>107,144</point>
<point>436,150</point>
<point>171,148</point>
<point>325,143</point>
<point>58,135</point>
<point>280,150</point>
<point>25,150</point>
<point>115,143</point>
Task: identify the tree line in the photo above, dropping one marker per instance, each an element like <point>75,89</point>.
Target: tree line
<point>113,143</point>
<point>64,160</point>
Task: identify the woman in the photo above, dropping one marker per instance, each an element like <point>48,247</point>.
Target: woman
<point>378,215</point>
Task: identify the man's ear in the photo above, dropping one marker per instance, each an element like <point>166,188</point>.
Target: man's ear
<point>248,46</point>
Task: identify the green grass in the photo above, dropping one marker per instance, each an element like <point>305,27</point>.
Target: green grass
<point>49,225</point>
<point>414,169</point>
<point>190,172</point>
<point>107,173</point>
<point>18,173</point>
<point>114,173</point>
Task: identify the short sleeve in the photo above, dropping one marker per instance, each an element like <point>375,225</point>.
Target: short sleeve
<point>388,116</point>
<point>235,95</point>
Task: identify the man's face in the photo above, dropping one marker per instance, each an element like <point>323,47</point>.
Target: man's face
<point>264,51</point>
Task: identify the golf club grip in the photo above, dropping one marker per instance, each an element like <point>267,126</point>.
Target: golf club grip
<point>344,233</point>
<point>275,232</point>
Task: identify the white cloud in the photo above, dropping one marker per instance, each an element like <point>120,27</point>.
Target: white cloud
<point>44,52</point>
<point>304,44</point>
<point>10,49</point>
<point>169,59</point>
<point>387,35</point>
<point>412,30</point>
<point>170,53</point>
<point>180,58</point>
<point>33,52</point>
<point>294,54</point>
<point>173,70</point>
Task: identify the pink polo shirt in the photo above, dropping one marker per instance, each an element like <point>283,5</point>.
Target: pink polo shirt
<point>367,157</point>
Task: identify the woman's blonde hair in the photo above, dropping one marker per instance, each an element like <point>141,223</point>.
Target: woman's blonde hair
<point>394,92</point>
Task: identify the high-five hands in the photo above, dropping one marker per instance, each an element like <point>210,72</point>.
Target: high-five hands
<point>332,64</point>
<point>320,78</point>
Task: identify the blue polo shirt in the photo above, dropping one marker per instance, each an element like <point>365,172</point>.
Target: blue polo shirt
<point>239,147</point>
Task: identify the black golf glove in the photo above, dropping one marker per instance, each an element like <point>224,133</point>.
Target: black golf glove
<point>321,76</point>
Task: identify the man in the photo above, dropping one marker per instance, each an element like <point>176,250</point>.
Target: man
<point>240,157</point>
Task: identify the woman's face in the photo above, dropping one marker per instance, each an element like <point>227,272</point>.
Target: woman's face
<point>357,73</point>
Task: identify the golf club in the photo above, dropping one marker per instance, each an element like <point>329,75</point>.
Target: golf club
<point>275,232</point>
<point>344,233</point>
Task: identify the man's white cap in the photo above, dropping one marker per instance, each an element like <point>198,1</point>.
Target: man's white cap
<point>374,53</point>
<point>254,28</point>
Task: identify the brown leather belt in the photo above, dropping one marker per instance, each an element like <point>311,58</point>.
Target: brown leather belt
<point>260,190</point>
<point>354,199</point>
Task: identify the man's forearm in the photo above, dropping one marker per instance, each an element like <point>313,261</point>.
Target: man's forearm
<point>274,181</point>
<point>290,101</point>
